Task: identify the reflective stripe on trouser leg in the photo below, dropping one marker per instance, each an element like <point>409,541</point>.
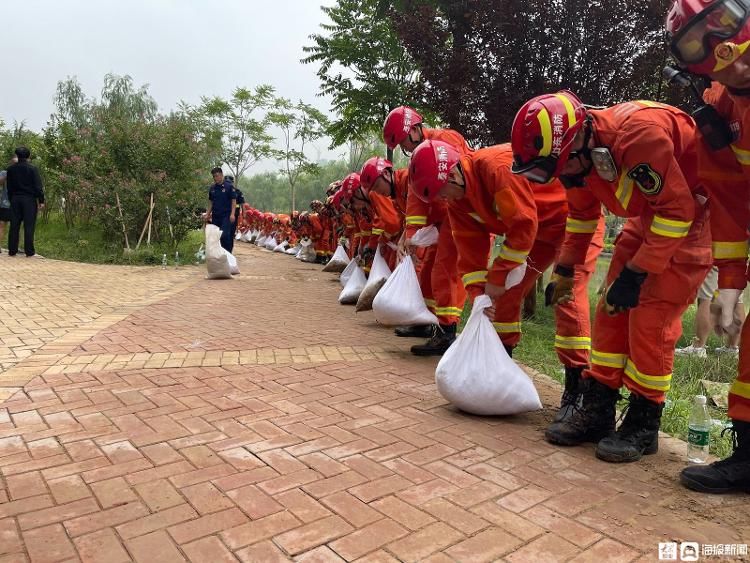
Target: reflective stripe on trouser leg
<point>739,392</point>
<point>508,307</point>
<point>573,319</point>
<point>609,341</point>
<point>447,287</point>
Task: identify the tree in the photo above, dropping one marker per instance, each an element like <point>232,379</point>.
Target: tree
<point>120,146</point>
<point>481,59</point>
<point>239,127</point>
<point>364,69</point>
<point>300,124</point>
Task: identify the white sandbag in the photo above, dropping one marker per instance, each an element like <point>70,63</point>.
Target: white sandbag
<point>477,375</point>
<point>353,287</point>
<point>338,262</point>
<point>308,254</point>
<point>270,243</point>
<point>237,235</point>
<point>261,240</point>
<point>294,251</point>
<point>247,236</point>
<point>234,269</point>
<point>282,247</point>
<point>347,273</point>
<point>217,265</point>
<point>426,236</point>
<point>400,302</point>
<point>379,274</point>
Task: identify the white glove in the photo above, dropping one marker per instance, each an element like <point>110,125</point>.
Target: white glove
<point>723,311</point>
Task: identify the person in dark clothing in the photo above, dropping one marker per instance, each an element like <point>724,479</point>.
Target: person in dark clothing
<point>222,200</point>
<point>26,196</point>
<point>4,203</point>
<point>237,208</point>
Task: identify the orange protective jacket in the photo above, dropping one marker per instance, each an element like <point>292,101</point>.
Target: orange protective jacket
<point>727,176</point>
<point>418,212</point>
<point>497,201</point>
<point>654,151</point>
<point>390,212</point>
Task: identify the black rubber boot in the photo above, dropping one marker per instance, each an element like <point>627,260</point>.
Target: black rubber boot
<point>571,396</point>
<point>638,435</point>
<point>591,421</point>
<point>417,331</point>
<point>509,349</point>
<point>728,475</point>
<point>438,344</point>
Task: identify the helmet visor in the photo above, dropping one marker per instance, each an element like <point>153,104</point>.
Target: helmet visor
<point>725,19</point>
<point>540,170</point>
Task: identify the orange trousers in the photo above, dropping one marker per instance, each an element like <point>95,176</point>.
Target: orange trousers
<point>507,321</point>
<point>442,288</point>
<point>573,319</point>
<point>739,392</point>
<point>636,348</point>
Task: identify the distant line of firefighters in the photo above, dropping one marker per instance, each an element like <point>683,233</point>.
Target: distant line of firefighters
<point>543,193</point>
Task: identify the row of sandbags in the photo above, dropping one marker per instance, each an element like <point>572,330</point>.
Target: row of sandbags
<point>476,374</point>
<point>303,250</point>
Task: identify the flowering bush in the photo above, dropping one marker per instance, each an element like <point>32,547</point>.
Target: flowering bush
<point>97,150</point>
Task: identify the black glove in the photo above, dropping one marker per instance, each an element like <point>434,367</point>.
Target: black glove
<point>559,290</point>
<point>624,292</point>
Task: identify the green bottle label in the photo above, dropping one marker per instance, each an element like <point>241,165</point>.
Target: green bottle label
<point>698,437</point>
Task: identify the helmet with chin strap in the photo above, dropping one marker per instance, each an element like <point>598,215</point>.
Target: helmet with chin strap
<point>398,124</point>
<point>543,133</point>
<point>429,168</point>
<point>373,169</point>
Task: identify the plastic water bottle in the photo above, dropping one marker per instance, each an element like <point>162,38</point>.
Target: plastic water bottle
<point>177,259</point>
<point>699,428</point>
<point>164,262</point>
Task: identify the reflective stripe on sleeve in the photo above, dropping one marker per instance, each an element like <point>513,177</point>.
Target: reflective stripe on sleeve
<point>578,226</point>
<point>474,277</point>
<point>729,250</point>
<point>670,227</point>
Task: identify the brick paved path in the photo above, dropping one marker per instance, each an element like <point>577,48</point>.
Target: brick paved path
<point>146,421</point>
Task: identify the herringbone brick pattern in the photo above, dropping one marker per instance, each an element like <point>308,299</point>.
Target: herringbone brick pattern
<point>320,458</point>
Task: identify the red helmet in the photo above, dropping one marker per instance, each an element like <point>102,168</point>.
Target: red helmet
<point>351,184</point>
<point>543,133</point>
<point>429,167</point>
<point>372,170</point>
<point>708,35</point>
<point>398,124</point>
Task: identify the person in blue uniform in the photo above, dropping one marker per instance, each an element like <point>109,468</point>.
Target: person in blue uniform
<point>222,200</point>
<point>237,208</point>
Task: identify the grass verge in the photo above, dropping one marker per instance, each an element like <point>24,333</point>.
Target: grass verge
<point>53,239</point>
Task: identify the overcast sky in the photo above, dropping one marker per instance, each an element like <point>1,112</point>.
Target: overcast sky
<point>183,49</point>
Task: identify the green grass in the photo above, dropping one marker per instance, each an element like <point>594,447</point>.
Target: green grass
<point>537,351</point>
<point>53,239</point>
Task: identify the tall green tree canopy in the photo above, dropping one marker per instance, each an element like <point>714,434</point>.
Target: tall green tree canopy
<point>481,59</point>
<point>363,67</point>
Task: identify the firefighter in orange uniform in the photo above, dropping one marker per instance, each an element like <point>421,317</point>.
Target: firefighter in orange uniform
<point>404,127</point>
<point>484,198</point>
<point>638,159</point>
<point>710,38</point>
<point>387,190</point>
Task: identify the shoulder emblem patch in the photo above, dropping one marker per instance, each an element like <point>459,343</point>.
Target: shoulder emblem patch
<point>647,179</point>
